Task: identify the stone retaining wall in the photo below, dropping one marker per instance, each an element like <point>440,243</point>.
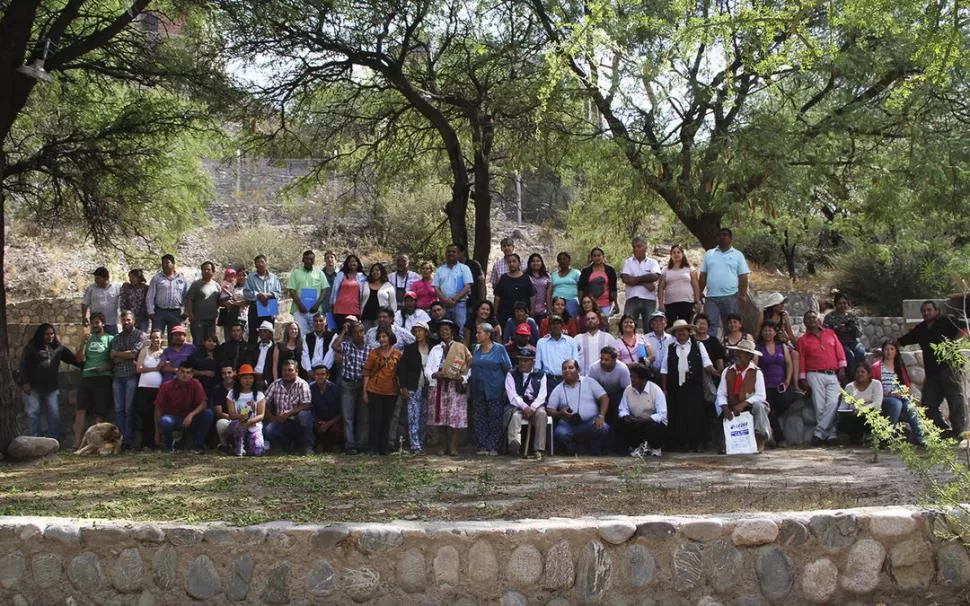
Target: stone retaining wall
<point>884,555</point>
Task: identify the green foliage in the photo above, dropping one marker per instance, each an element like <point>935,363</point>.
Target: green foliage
<point>949,353</point>
<point>878,277</point>
<point>282,250</point>
<point>938,466</point>
<point>409,219</point>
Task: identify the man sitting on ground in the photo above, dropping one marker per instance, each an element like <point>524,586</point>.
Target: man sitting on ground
<point>288,410</point>
<point>580,404</point>
<point>525,387</point>
<point>182,404</point>
<point>643,414</point>
<point>325,401</point>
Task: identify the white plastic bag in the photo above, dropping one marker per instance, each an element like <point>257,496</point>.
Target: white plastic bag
<point>739,434</point>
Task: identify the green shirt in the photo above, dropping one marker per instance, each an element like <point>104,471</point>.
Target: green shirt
<point>300,279</point>
<point>97,353</point>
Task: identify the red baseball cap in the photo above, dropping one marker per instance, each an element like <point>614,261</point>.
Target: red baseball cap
<point>523,329</point>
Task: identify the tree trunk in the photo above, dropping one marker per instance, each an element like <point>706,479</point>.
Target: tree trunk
<point>482,136</point>
<point>705,225</point>
<point>8,389</point>
<point>788,249</point>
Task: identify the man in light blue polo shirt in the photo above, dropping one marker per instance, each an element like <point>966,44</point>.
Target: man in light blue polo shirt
<point>724,273</point>
<point>552,351</point>
<point>452,282</point>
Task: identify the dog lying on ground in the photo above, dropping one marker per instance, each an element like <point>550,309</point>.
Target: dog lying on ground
<point>102,438</point>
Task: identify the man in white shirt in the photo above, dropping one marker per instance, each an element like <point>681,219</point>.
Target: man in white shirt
<point>580,404</point>
<point>102,296</point>
<point>403,279</point>
<point>525,388</point>
<point>263,350</point>
<point>743,388</point>
<point>613,377</point>
<point>640,274</point>
<point>643,414</point>
<point>316,345</point>
<point>590,343</point>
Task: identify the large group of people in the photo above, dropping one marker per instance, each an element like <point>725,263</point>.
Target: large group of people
<point>375,357</point>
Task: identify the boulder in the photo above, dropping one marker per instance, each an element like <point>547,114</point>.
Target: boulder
<point>28,448</point>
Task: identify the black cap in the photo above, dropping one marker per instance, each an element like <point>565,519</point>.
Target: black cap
<point>526,352</point>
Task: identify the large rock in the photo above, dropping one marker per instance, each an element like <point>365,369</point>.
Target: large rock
<point>129,571</point>
<point>911,564</point>
<point>835,532</point>
<point>862,566</point>
<point>525,565</point>
<point>688,566</point>
<point>28,448</point>
<point>755,532</point>
<point>617,533</point>
<point>48,568</point>
<point>446,565</point>
<point>12,569</point>
<point>240,576</point>
<point>953,565</point>
<point>321,581</point>
<point>560,571</point>
<point>774,572</point>
<point>203,580</point>
<point>361,584</point>
<point>639,566</point>
<point>891,523</point>
<point>819,580</point>
<point>726,561</point>
<point>85,573</point>
<point>411,571</point>
<point>482,565</point>
<point>595,573</point>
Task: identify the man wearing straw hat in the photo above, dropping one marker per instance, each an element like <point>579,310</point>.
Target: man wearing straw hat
<point>743,388</point>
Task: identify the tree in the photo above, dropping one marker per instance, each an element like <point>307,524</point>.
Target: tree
<point>362,72</point>
<point>100,146</point>
<point>709,101</point>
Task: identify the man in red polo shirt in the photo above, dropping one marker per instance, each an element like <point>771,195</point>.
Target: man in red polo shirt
<point>823,370</point>
<point>182,404</point>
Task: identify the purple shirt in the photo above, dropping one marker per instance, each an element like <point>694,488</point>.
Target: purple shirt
<point>175,358</point>
<point>772,366</point>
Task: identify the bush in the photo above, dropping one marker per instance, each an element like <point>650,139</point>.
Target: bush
<point>879,277</point>
<point>283,248</point>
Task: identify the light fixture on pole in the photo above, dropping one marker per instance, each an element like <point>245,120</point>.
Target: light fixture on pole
<point>36,69</point>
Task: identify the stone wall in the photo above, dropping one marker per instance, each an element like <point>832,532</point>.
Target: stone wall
<point>874,555</point>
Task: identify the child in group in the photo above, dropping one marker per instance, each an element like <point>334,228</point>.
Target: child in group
<point>246,409</point>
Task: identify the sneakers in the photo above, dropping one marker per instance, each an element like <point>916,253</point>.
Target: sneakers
<point>198,451</point>
<point>351,452</point>
<point>654,452</point>
<point>308,451</point>
<point>641,451</point>
<point>481,453</point>
<point>539,455</point>
<point>514,447</point>
<point>816,441</point>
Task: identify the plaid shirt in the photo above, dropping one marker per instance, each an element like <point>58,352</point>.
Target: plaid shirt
<point>500,268</point>
<point>282,398</point>
<point>354,358</point>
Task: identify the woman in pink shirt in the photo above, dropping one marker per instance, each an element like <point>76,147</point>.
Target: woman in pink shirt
<point>424,288</point>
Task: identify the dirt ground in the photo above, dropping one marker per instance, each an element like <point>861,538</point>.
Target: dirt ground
<point>368,488</point>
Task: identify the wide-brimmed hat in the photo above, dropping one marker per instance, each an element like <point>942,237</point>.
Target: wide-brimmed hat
<point>774,299</point>
<point>746,345</point>
<point>267,325</point>
<point>681,323</point>
<point>245,369</point>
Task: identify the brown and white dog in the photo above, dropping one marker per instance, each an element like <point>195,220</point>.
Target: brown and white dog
<point>102,438</point>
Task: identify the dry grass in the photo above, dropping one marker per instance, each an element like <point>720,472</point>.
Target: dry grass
<point>336,488</point>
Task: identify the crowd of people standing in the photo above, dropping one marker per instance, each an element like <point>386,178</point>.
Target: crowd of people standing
<point>375,356</point>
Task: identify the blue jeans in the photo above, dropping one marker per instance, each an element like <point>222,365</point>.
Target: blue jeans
<point>166,320</point>
<point>640,309</point>
<point>52,401</point>
<point>286,432</point>
<point>457,314</point>
<point>894,408</point>
<point>124,396</point>
<point>201,329</point>
<point>567,436</point>
<point>200,426</point>
<point>417,416</point>
<point>854,353</point>
<point>718,307</point>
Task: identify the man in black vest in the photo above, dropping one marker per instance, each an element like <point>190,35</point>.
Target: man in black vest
<point>526,390</point>
<point>316,346</point>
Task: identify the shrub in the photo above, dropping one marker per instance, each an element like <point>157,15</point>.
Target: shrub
<point>282,248</point>
<point>879,277</point>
